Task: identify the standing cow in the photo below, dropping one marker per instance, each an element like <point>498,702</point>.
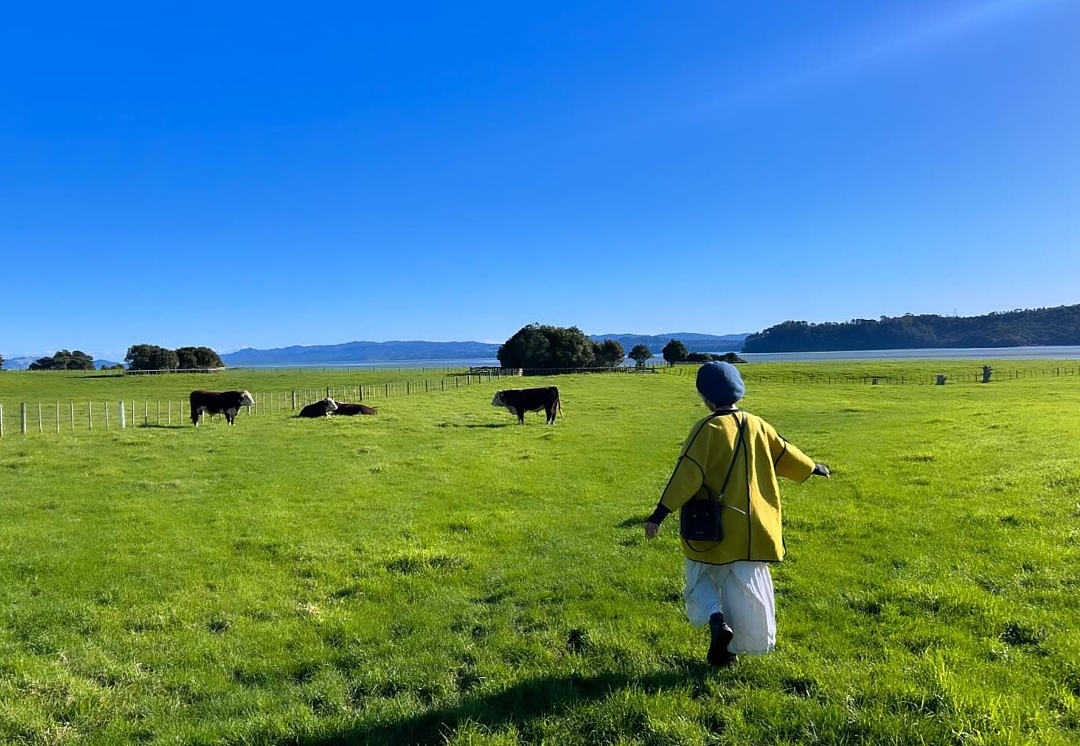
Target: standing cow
<point>322,408</point>
<point>519,401</point>
<point>218,402</point>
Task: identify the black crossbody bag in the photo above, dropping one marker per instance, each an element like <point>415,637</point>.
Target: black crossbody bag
<point>700,520</point>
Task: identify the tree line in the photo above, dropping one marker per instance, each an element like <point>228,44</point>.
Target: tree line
<point>152,357</point>
<point>542,346</point>
<point>64,360</point>
<point>139,357</point>
<point>1038,326</point>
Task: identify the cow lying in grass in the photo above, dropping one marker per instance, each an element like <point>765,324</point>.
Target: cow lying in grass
<point>323,408</point>
<point>218,402</point>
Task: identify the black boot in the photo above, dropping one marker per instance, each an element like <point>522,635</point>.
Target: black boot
<point>721,635</point>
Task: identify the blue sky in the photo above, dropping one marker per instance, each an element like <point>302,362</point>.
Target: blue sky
<point>261,174</point>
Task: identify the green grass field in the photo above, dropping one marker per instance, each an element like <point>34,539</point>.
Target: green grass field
<point>437,574</point>
<point>78,398</point>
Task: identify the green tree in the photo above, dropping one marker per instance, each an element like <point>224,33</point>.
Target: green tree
<point>608,353</point>
<point>640,354</point>
<point>1,362</point>
<point>675,352</point>
<point>543,346</point>
<point>151,357</point>
<point>64,360</point>
<point>198,357</point>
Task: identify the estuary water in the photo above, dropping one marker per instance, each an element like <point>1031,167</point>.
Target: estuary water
<point>969,353</point>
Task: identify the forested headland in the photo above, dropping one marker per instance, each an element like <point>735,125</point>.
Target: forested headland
<point>1038,326</point>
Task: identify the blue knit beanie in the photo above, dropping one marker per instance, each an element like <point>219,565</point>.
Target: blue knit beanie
<point>720,383</point>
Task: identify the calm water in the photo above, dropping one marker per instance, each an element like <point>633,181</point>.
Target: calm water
<point>973,353</point>
<point>385,364</point>
<point>970,353</point>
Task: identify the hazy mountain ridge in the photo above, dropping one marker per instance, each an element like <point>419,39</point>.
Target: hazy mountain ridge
<point>399,351</point>
<point>362,352</point>
<point>23,363</point>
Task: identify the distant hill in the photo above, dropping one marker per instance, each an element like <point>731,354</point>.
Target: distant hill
<point>23,363</point>
<point>362,352</point>
<point>694,342</point>
<point>404,351</point>
<point>1038,326</point>
<point>18,363</point>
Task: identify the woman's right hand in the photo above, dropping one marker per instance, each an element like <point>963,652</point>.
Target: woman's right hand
<point>651,529</point>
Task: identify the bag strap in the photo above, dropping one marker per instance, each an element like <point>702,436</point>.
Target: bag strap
<point>731,467</point>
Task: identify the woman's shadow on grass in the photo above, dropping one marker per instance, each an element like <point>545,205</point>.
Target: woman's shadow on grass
<point>518,704</point>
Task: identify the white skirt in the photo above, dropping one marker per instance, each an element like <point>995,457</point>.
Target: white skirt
<point>743,593</point>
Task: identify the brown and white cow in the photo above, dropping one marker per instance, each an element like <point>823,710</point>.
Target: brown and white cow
<point>218,402</point>
<point>519,401</point>
<point>322,408</point>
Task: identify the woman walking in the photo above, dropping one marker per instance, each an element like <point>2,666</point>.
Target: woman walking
<point>725,486</point>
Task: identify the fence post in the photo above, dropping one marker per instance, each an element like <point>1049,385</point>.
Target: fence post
<point>106,415</point>
<point>123,419</point>
<point>294,399</point>
<point>39,418</point>
<point>22,417</point>
<point>89,415</point>
<point>387,391</point>
<point>145,412</point>
<point>408,388</point>
<point>170,411</point>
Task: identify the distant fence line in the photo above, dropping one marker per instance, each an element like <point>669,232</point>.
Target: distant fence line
<point>85,415</point>
<point>919,379</point>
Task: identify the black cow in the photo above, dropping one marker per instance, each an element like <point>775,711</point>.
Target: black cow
<point>350,409</point>
<point>218,402</point>
<point>520,401</point>
<point>322,408</point>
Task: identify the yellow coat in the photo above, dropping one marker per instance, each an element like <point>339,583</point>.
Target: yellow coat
<point>751,512</point>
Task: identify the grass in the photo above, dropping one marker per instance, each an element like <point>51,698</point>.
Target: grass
<point>437,574</point>
<point>82,395</point>
<point>47,386</point>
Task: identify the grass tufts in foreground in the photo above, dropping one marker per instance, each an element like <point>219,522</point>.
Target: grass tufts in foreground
<point>437,574</point>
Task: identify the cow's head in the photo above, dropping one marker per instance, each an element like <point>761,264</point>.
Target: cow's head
<point>245,398</point>
<point>498,400</point>
<point>331,405</point>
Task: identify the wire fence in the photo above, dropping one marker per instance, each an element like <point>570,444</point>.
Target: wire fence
<point>87,416</point>
<point>951,376</point>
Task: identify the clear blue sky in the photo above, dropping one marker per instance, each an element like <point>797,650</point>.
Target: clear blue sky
<point>267,174</point>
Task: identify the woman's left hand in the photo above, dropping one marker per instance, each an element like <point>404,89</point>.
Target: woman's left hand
<point>651,529</point>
